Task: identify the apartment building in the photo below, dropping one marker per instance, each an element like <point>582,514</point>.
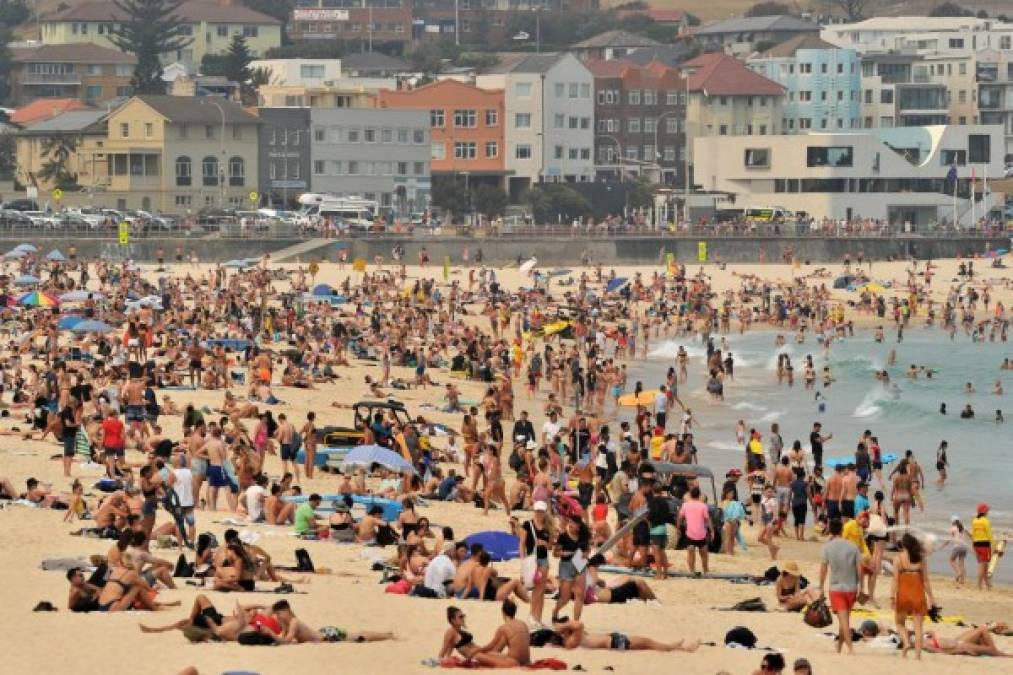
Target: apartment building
<point>382,155</point>
<point>727,98</point>
<point>285,155</point>
<point>549,118</point>
<point>210,24</point>
<point>898,91</point>
<point>994,79</point>
<point>823,84</point>
<point>919,33</point>
<point>466,128</point>
<point>741,36</point>
<point>897,175</point>
<point>88,72</point>
<point>612,44</point>
<point>300,72</point>
<point>640,120</point>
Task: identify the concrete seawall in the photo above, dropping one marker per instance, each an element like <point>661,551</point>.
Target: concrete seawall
<point>551,250</point>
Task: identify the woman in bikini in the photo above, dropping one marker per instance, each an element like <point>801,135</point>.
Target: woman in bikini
<point>456,637</point>
<point>494,483</point>
<point>901,494</point>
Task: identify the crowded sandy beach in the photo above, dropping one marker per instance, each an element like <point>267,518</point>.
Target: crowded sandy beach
<point>311,466</point>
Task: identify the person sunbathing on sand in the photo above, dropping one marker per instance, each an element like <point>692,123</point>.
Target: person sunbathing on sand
<point>295,631</point>
<point>204,615</point>
<point>573,635</point>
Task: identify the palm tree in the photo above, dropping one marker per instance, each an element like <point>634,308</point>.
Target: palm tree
<point>57,150</point>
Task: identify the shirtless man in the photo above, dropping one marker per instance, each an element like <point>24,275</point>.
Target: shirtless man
<point>112,513</point>
<point>217,478</point>
<point>462,577</point>
<point>849,493</point>
<point>575,635</point>
<point>365,531</point>
<point>783,476</point>
<point>486,584</point>
<point>198,456</point>
<point>834,492</point>
<point>284,434</point>
<point>204,615</point>
<point>513,637</point>
<point>133,395</point>
<point>195,354</point>
<point>295,631</point>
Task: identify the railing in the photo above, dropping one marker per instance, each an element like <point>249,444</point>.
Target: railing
<point>51,78</point>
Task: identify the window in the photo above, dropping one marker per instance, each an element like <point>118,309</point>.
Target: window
<point>522,89</point>
<point>419,136</point>
<point>634,125</point>
<point>369,135</point>
<point>585,153</point>
<point>757,158</point>
<point>237,172</point>
<point>560,89</point>
<point>723,130</point>
<point>209,171</point>
<point>522,152</point>
<point>805,95</point>
<point>574,122</point>
<point>465,119</point>
<point>353,135</point>
<point>649,154</point>
<point>149,129</point>
<point>420,168</point>
<point>319,167</point>
<point>962,67</point>
<point>464,150</point>
<point>491,149</point>
<point>124,129</point>
<point>804,123</point>
<point>386,135</point>
<point>183,200</point>
<point>436,119</point>
<point>353,168</point>
<point>601,97</point>
<point>557,152</point>
<point>223,31</point>
<point>491,117</point>
<point>633,96</point>
<point>585,90</point>
<point>805,68</point>
<point>956,43</point>
<point>979,149</point>
<point>251,31</point>
<point>669,153</point>
<point>585,122</point>
<point>951,157</point>
<point>402,168</point>
<point>319,134</point>
<point>650,97</point>
<point>309,71</point>
<point>437,151</point>
<point>93,92</point>
<point>574,90</point>
<point>834,155</point>
<point>182,171</point>
<point>573,153</point>
<point>671,125</point>
<point>337,167</point>
<point>522,120</point>
<point>402,136</point>
<point>649,125</point>
<point>559,120</point>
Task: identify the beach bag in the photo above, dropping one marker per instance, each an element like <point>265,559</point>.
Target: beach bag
<point>742,636</point>
<point>529,569</point>
<point>303,561</point>
<point>750,605</point>
<point>183,568</point>
<point>818,615</point>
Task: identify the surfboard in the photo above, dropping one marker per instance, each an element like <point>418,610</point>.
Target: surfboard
<point>997,552</point>
<point>622,532</point>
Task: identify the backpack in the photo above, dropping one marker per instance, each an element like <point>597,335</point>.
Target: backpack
<point>183,568</point>
<point>817,614</point>
<point>750,605</point>
<point>303,561</point>
<point>741,635</point>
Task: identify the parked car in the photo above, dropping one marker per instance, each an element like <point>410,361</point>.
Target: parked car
<point>21,205</point>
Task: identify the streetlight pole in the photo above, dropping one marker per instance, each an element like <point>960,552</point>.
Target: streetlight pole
<point>685,155</point>
<point>221,163</point>
<point>657,152</point>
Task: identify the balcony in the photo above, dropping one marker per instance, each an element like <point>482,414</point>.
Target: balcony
<point>50,78</point>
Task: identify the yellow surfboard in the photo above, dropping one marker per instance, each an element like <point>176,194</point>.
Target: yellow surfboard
<point>997,553</point>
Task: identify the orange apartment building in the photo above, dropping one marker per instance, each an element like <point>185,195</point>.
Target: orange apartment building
<point>466,128</point>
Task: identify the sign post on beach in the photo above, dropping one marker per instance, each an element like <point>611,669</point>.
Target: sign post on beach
<point>124,233</point>
<point>670,265</point>
<point>446,268</point>
<point>701,251</point>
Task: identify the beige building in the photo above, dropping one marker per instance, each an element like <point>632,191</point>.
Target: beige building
<point>210,24</point>
<point>318,96</point>
<point>164,153</point>
<point>88,72</point>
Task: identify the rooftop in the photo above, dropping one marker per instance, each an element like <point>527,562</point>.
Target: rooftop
<point>752,24</point>
<point>71,120</point>
<point>197,109</point>
<point>192,11</point>
<point>920,24</point>
<point>84,52</point>
<point>524,62</point>
<point>723,75</point>
<point>45,108</point>
<point>792,45</point>
<point>616,38</point>
<point>372,61</point>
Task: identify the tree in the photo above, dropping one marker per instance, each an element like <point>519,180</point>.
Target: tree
<point>854,10</point>
<point>641,196</point>
<point>768,8</point>
<point>150,30</point>
<point>448,194</point>
<point>13,13</point>
<point>236,67</point>
<point>490,201</point>
<point>554,203</point>
<point>950,9</point>
<point>57,151</point>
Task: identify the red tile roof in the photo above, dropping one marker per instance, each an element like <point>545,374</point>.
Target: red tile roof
<point>44,108</point>
<point>723,75</point>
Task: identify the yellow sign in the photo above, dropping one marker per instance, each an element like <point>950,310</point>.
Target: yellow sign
<point>446,268</point>
<point>359,264</point>
<point>57,194</point>
<point>254,197</point>
<point>701,251</point>
<point>670,265</point>
<point>124,233</point>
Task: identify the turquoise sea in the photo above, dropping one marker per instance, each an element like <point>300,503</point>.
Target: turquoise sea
<point>904,415</point>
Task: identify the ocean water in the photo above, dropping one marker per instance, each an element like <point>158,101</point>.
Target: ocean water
<point>904,415</point>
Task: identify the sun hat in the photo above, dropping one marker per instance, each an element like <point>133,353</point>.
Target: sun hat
<point>791,567</point>
<point>540,506</point>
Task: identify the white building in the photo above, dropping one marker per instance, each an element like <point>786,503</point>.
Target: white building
<point>898,175</point>
<point>920,33</point>
<point>550,118</point>
<point>300,72</point>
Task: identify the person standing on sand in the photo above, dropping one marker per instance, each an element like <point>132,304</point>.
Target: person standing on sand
<point>284,434</point>
<point>309,435</point>
<point>982,541</point>
<point>843,561</point>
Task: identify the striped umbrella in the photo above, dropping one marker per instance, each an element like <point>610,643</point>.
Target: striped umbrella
<point>38,299</point>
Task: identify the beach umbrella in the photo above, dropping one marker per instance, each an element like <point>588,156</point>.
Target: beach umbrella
<point>236,264</point>
<point>500,545</point>
<point>27,248</point>
<point>56,256</point>
<point>91,326</point>
<point>843,281</point>
<point>69,321</point>
<point>38,299</point>
<point>80,296</point>
<point>26,280</point>
<point>873,288</point>
<point>528,265</point>
<point>615,284</point>
<point>644,398</point>
<point>368,455</point>
<point>323,289</point>
<point>12,255</point>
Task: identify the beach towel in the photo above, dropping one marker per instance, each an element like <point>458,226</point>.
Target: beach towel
<point>540,664</point>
